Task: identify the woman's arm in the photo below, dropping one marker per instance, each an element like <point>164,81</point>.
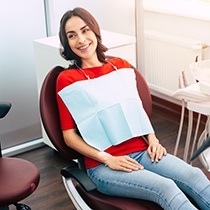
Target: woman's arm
<point>73,140</point>
<point>124,163</point>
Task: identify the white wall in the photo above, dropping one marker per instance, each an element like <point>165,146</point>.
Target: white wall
<point>180,24</point>
<point>180,18</point>
<point>116,16</point>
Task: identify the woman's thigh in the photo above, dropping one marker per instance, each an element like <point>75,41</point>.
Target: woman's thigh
<point>182,173</point>
<point>191,180</point>
<point>142,184</point>
<point>122,183</point>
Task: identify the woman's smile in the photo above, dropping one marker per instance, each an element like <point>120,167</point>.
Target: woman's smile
<point>84,47</point>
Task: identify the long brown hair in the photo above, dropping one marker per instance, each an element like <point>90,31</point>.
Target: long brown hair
<point>66,51</point>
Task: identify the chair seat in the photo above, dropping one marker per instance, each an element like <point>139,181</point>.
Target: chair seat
<point>100,201</point>
<point>18,179</point>
<point>97,200</point>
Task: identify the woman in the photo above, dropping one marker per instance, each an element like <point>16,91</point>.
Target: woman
<point>123,157</point>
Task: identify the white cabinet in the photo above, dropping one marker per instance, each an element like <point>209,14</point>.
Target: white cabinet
<point>47,55</point>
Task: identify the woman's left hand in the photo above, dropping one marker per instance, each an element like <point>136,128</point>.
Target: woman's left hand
<point>155,150</point>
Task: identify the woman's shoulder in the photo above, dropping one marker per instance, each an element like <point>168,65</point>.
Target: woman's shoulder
<point>66,77</point>
<point>66,73</point>
<point>120,62</point>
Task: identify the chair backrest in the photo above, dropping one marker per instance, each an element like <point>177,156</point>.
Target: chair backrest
<point>144,92</point>
<point>50,114</point>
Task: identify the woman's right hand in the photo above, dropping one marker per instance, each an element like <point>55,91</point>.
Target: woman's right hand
<point>123,163</point>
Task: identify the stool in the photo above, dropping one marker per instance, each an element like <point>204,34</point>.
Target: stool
<point>18,178</point>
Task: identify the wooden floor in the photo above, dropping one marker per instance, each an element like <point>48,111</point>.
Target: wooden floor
<point>51,194</point>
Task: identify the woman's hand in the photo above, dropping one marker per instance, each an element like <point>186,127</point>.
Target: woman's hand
<point>122,163</point>
<point>155,150</point>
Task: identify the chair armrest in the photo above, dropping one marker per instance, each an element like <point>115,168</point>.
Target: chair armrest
<point>80,176</point>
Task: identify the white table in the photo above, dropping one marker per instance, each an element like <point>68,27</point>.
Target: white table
<point>201,107</point>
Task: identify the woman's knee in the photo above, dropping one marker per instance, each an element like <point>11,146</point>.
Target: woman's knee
<point>193,176</point>
<point>170,196</point>
<point>168,186</point>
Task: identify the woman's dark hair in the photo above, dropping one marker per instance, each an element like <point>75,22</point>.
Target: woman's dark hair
<point>66,52</point>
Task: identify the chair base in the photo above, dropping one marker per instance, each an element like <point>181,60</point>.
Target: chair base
<point>19,206</point>
<point>4,208</point>
<point>82,200</point>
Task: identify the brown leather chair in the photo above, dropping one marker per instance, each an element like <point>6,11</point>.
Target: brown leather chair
<point>18,178</point>
<point>80,188</point>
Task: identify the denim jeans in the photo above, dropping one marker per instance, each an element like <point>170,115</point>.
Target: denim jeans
<point>165,182</point>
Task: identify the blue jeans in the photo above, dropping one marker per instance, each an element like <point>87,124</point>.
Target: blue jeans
<point>165,182</point>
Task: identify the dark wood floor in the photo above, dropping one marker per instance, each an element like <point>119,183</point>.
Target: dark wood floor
<point>51,194</point>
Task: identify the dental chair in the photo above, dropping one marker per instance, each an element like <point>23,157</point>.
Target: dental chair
<point>18,178</point>
<point>80,188</point>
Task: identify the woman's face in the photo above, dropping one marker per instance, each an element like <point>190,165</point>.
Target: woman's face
<point>82,40</point>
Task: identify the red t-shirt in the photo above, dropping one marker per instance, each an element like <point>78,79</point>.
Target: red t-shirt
<point>70,76</point>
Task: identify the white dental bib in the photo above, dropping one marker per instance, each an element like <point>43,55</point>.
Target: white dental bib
<point>107,109</point>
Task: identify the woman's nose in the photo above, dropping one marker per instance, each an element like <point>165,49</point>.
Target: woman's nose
<point>81,38</point>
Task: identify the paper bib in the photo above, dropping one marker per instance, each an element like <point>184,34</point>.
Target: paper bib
<point>107,109</point>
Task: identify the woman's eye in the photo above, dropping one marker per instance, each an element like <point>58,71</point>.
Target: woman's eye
<point>86,30</point>
<point>71,36</point>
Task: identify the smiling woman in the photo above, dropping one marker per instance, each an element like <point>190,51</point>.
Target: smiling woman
<point>103,118</point>
<point>82,39</point>
<point>74,34</point>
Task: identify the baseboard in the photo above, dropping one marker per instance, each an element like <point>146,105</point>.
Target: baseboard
<point>166,107</point>
<point>18,149</point>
